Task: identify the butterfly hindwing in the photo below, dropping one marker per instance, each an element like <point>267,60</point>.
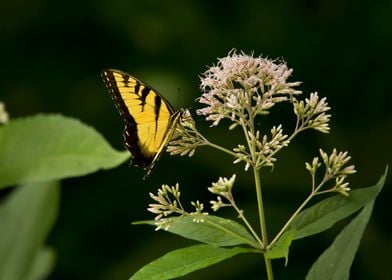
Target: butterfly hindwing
<point>149,119</point>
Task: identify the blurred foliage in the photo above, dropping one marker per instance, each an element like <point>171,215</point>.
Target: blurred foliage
<point>43,147</point>
<point>27,216</point>
<point>52,53</point>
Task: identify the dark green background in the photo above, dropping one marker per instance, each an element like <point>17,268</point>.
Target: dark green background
<point>52,53</point>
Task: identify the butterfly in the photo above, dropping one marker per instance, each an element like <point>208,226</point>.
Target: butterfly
<point>150,120</point>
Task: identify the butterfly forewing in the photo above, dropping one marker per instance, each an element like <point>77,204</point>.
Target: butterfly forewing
<point>148,116</point>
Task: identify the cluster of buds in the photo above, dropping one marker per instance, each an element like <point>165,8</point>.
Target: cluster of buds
<point>311,113</point>
<point>167,204</point>
<point>335,169</point>
<point>222,188</point>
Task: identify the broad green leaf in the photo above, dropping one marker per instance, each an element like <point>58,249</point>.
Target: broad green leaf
<point>326,213</point>
<point>48,147</point>
<point>26,217</point>
<point>183,261</point>
<point>336,261</point>
<point>214,231</point>
<point>281,248</point>
<point>42,265</point>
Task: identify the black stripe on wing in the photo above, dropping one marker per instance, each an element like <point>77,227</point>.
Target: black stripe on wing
<point>131,138</point>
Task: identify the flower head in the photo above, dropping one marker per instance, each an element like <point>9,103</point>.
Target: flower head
<point>241,81</point>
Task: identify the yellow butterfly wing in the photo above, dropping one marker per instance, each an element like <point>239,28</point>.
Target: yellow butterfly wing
<point>149,118</point>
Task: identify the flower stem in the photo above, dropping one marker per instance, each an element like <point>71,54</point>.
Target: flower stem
<point>264,236</point>
<point>242,216</point>
<point>220,148</point>
<point>268,266</point>
<point>315,191</point>
<point>293,216</point>
<point>208,143</point>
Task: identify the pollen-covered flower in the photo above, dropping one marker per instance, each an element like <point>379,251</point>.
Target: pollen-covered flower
<point>241,85</point>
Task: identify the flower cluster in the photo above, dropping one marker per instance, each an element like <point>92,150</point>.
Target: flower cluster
<point>242,86</point>
<point>168,203</point>
<point>334,169</point>
<point>265,148</point>
<point>198,214</point>
<point>168,199</point>
<point>311,113</point>
<point>239,88</point>
<point>222,188</point>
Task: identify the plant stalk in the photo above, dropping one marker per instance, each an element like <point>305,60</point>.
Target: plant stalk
<point>263,227</point>
<point>220,148</point>
<point>293,216</point>
<point>315,191</point>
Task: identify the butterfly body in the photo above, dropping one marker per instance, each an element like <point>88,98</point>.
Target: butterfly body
<point>149,118</point>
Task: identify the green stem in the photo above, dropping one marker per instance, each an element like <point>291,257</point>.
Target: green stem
<point>243,218</point>
<point>268,266</point>
<point>315,191</point>
<point>208,143</point>
<point>260,204</point>
<point>261,207</point>
<point>291,219</point>
<point>263,226</point>
<point>220,148</point>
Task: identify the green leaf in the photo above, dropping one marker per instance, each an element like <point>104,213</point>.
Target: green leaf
<point>326,213</point>
<point>336,261</point>
<point>281,248</point>
<point>48,147</point>
<point>214,231</point>
<point>26,216</point>
<point>42,265</point>
<point>183,261</point>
